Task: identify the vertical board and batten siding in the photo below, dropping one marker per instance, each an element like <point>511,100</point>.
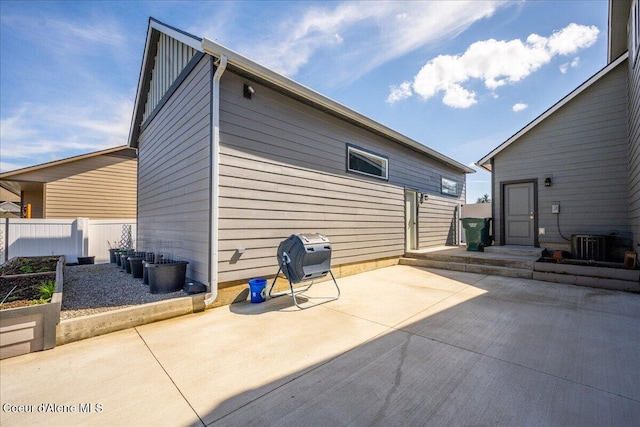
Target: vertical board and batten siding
<point>634,149</point>
<point>584,146</point>
<point>171,58</point>
<point>283,171</point>
<point>174,175</point>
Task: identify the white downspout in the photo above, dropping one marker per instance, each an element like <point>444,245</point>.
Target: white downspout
<point>215,181</point>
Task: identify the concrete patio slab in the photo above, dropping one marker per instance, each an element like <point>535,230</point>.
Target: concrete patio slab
<point>402,346</point>
<point>104,381</point>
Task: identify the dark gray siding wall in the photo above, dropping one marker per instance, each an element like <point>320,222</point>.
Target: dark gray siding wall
<point>634,150</point>
<point>438,220</point>
<point>173,175</point>
<point>584,146</point>
<point>283,171</point>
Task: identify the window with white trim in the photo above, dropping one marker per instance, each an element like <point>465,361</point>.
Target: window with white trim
<point>448,187</point>
<point>365,162</point>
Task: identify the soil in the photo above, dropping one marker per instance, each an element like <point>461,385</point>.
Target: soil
<point>583,262</point>
<point>21,273</point>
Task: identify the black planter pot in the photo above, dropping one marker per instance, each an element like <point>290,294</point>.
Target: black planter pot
<point>112,255</point>
<point>165,278</point>
<point>83,260</point>
<point>124,265</point>
<point>136,266</point>
<point>145,272</point>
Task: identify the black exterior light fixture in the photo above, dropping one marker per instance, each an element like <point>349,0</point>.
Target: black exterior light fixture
<point>548,180</point>
<point>248,91</point>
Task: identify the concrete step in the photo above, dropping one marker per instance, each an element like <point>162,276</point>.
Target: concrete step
<point>618,279</point>
<point>495,270</point>
<point>477,258</point>
<point>526,251</point>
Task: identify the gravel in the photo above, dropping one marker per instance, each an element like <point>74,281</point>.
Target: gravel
<point>96,288</point>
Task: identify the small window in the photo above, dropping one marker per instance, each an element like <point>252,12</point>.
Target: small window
<point>449,187</point>
<point>367,163</point>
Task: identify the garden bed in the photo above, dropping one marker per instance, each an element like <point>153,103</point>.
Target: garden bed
<point>21,278</point>
<point>28,318</point>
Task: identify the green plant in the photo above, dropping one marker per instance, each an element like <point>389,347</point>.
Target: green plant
<point>47,289</point>
<point>26,267</point>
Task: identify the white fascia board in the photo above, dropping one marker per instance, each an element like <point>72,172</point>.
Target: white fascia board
<point>143,67</point>
<point>485,162</point>
<point>255,69</point>
<point>182,37</point>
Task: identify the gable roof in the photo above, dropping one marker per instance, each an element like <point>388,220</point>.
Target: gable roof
<point>120,151</point>
<point>485,162</point>
<point>277,81</point>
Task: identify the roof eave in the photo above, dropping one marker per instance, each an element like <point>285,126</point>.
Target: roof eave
<point>261,72</point>
<point>485,162</point>
<point>9,174</point>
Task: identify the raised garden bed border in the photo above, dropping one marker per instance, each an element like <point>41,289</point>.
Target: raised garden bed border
<point>33,328</point>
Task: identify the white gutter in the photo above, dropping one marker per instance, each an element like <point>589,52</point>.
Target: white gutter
<point>215,181</point>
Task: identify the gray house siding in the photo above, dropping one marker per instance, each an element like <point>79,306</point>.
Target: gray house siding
<point>174,175</point>
<point>634,149</point>
<point>283,171</point>
<point>584,146</point>
<point>438,221</point>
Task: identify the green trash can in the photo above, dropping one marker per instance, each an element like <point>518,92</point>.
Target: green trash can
<point>477,233</point>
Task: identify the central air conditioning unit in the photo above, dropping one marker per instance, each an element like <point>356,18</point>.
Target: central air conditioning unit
<point>589,247</point>
<point>303,257</point>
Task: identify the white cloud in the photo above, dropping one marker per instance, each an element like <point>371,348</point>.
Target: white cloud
<point>573,64</point>
<point>399,92</point>
<point>496,62</point>
<point>458,97</point>
<point>361,38</point>
<point>519,107</point>
<point>38,133</point>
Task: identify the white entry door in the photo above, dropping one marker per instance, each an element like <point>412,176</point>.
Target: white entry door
<point>411,220</point>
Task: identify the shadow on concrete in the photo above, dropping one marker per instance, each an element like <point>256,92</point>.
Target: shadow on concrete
<point>501,351</point>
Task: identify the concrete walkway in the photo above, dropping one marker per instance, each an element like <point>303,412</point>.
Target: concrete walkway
<point>402,346</point>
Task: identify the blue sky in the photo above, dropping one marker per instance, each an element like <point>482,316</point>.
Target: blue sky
<point>459,77</point>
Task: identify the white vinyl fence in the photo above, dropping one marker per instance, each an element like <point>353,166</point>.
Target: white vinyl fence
<point>69,237</point>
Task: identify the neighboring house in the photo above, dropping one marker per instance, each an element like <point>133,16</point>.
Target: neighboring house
<point>9,210</point>
<point>98,185</point>
<point>233,158</point>
<point>574,170</point>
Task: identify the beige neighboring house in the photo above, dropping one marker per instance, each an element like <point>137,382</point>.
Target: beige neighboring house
<point>9,203</point>
<point>98,185</point>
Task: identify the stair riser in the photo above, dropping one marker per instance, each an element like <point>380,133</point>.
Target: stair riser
<point>592,282</point>
<point>468,268</point>
<point>526,265</point>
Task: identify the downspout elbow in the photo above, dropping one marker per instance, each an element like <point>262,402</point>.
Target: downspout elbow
<point>215,181</point>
